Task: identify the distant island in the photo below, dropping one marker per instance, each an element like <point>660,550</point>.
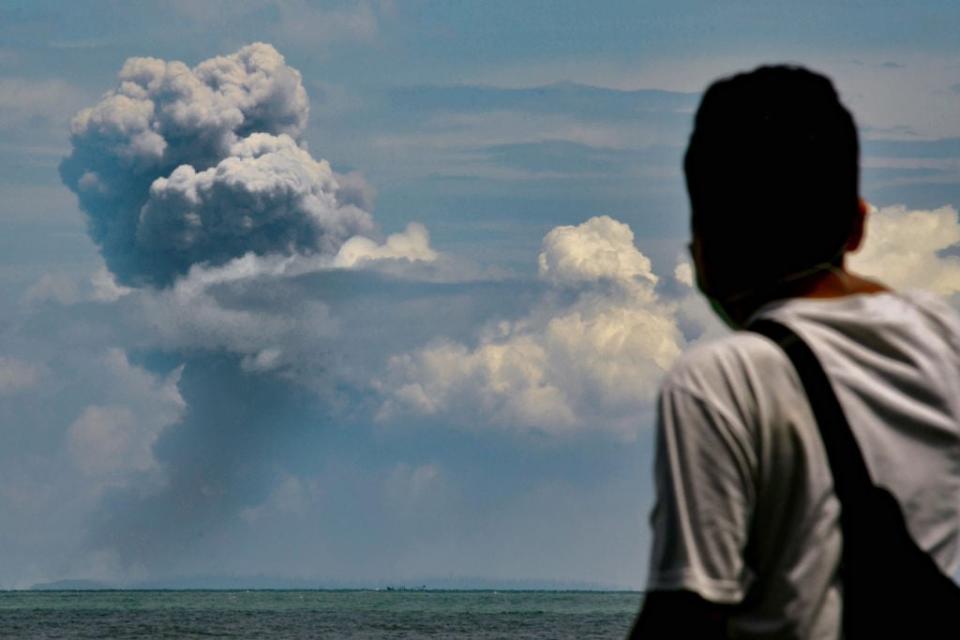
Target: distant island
<point>72,585</point>
<point>273,582</point>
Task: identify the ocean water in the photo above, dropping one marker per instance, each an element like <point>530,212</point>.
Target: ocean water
<point>316,614</point>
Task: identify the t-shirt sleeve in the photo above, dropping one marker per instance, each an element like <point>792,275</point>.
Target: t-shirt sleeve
<point>704,498</point>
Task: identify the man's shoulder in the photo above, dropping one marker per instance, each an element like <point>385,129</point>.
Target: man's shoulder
<point>731,358</point>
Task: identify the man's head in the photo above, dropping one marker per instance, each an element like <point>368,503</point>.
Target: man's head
<point>772,172</point>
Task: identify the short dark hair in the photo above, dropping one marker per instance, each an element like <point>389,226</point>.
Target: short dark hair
<point>772,172</point>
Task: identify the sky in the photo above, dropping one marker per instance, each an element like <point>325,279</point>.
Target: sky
<point>380,293</point>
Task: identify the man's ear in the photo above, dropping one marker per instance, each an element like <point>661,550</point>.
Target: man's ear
<point>859,223</point>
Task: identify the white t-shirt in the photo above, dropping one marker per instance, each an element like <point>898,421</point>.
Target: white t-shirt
<point>745,505</point>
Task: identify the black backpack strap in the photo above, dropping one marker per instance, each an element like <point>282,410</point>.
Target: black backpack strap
<point>851,477</point>
<point>892,587</point>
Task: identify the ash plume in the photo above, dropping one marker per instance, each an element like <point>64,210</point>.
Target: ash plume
<point>183,174</point>
<point>179,166</point>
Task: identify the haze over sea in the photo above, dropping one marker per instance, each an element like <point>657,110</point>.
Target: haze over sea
<point>291,615</point>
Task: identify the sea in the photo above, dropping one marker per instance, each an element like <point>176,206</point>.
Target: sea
<point>299,615</point>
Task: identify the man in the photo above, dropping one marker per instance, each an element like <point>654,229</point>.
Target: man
<point>746,534</point>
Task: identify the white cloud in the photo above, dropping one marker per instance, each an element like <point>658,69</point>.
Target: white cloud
<point>600,248</point>
<point>411,244</point>
<point>901,248</point>
<point>683,273</point>
<point>593,364</point>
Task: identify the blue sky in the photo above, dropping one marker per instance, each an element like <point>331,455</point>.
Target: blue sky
<point>432,356</point>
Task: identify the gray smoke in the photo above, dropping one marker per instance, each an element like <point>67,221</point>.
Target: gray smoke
<point>181,171</point>
<point>180,166</point>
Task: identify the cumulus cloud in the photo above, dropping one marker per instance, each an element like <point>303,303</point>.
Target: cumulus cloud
<point>683,273</point>
<point>592,364</point>
<point>902,248</point>
<point>412,244</point>
<point>600,248</point>
<point>595,362</point>
<point>180,166</point>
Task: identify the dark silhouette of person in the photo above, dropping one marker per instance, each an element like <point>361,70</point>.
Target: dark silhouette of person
<point>746,534</point>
